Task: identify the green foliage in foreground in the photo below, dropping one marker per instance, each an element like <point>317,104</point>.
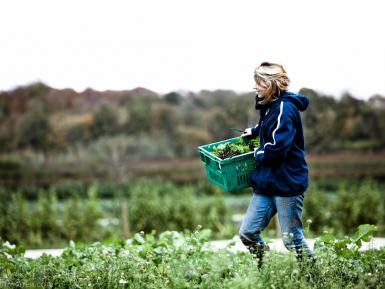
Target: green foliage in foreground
<point>184,260</point>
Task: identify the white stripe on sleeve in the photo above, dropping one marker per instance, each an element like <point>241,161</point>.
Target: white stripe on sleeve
<point>279,121</point>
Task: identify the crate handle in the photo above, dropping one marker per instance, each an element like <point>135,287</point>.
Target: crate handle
<point>203,157</point>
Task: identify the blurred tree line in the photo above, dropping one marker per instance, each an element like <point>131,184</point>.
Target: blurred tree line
<point>142,123</point>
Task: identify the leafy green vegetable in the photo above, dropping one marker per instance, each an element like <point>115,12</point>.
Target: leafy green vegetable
<point>348,246</point>
<point>228,149</point>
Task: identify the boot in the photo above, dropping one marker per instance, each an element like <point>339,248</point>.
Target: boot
<point>258,250</point>
<point>308,265</point>
<point>310,257</point>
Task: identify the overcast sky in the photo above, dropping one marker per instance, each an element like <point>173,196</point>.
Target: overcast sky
<point>166,45</point>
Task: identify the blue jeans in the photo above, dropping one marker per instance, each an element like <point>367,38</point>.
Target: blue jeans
<point>259,213</point>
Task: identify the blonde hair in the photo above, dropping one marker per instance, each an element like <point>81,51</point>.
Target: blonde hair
<point>273,79</point>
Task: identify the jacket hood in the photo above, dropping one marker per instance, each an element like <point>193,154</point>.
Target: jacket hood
<point>301,101</point>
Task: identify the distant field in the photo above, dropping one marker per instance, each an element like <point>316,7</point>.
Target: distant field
<point>347,164</point>
<point>335,166</point>
<point>329,166</point>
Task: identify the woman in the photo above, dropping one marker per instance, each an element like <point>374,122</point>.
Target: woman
<point>281,177</point>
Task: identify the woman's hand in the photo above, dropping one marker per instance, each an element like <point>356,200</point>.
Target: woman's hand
<point>247,132</point>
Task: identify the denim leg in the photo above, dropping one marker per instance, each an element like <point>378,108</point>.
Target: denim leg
<point>258,215</point>
<point>290,219</point>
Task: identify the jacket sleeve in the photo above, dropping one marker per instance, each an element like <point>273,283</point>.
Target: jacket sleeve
<point>255,131</point>
<point>283,136</point>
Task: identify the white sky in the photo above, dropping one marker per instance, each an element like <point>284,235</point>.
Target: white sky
<point>165,45</point>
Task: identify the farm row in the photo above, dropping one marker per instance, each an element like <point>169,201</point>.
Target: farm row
<point>182,260</point>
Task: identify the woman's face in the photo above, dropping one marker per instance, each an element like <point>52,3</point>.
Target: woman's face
<point>259,89</point>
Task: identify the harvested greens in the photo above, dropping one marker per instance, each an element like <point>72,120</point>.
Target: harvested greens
<point>228,149</point>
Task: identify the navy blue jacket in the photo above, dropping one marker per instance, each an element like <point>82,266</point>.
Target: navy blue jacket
<point>281,166</point>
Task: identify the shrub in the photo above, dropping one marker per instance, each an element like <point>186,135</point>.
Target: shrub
<point>317,210</point>
<point>358,203</point>
<point>168,207</point>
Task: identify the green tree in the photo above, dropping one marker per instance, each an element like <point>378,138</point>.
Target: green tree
<point>78,132</point>
<point>218,123</point>
<point>105,122</point>
<point>319,120</point>
<point>173,98</point>
<point>138,117</point>
<point>34,130</point>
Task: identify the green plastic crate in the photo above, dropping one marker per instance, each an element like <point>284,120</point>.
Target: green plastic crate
<point>229,174</point>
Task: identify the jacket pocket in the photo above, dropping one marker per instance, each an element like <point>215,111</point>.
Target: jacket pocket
<point>260,178</point>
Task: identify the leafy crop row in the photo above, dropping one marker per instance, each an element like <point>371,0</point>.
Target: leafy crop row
<point>185,260</point>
